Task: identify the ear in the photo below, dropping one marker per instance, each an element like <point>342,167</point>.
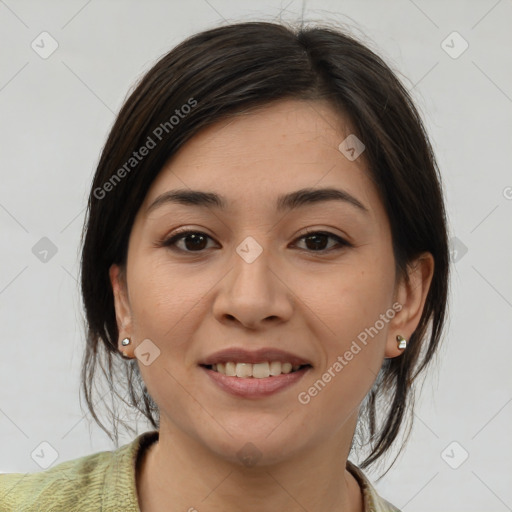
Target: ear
<point>122,307</point>
<point>411,295</point>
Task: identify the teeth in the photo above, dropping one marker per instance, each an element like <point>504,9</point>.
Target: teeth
<point>243,370</point>
<point>275,368</point>
<point>230,369</point>
<point>286,367</point>
<point>257,371</point>
<point>260,370</point>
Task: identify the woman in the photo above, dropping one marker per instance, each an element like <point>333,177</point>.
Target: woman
<point>264,252</point>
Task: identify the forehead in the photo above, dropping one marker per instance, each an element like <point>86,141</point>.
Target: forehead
<point>256,156</point>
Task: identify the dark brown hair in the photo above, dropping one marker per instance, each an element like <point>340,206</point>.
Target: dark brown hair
<point>219,73</point>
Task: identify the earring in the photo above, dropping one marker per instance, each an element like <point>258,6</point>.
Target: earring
<point>402,342</point>
<point>124,342</point>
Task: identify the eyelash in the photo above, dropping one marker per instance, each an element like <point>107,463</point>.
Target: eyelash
<point>171,242</point>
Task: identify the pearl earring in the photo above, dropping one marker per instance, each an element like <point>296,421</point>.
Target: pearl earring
<point>124,342</point>
<point>402,342</point>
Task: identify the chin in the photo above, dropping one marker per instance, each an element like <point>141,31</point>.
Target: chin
<point>251,446</point>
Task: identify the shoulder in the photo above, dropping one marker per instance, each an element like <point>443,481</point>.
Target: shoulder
<point>63,485</point>
<point>86,483</point>
<point>372,502</point>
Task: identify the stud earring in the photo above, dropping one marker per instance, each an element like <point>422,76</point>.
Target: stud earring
<point>124,342</point>
<point>402,342</point>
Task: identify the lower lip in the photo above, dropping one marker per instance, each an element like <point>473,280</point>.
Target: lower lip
<point>252,387</point>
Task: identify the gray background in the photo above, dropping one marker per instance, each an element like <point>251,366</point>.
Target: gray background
<point>55,115</point>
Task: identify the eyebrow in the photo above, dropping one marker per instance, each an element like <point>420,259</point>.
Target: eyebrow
<point>286,202</point>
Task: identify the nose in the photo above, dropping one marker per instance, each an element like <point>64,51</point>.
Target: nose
<point>253,293</point>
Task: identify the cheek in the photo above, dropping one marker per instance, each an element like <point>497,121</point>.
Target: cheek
<point>161,301</point>
<point>357,311</point>
<point>354,296</point>
<point>161,298</point>
<point>358,315</point>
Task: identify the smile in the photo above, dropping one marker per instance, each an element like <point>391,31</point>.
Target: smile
<point>255,380</point>
<point>256,371</point>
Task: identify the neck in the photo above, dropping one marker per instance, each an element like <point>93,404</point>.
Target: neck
<point>178,470</point>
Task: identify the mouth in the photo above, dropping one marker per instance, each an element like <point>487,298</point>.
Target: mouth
<point>254,374</point>
<point>261,370</point>
<point>254,380</point>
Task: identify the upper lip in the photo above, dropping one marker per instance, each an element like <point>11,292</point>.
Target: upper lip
<point>241,355</point>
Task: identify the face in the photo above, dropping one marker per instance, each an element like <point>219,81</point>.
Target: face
<point>314,279</point>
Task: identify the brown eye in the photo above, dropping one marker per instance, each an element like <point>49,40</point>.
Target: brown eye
<point>193,241</point>
<point>316,241</point>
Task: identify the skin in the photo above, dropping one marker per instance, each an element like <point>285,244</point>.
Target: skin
<point>191,304</point>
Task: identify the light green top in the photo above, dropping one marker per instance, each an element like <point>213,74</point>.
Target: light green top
<point>105,482</point>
